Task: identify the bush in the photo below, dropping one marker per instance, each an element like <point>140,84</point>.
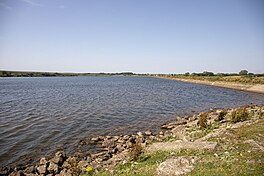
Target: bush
<point>202,121</point>
<point>136,151</point>
<point>221,116</point>
<point>243,72</point>
<point>260,113</point>
<point>239,115</point>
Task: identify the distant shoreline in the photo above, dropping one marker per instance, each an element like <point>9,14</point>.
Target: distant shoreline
<point>6,73</point>
<point>257,88</point>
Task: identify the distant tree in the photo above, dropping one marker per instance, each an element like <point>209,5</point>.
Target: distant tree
<point>186,74</point>
<point>222,74</point>
<point>243,72</point>
<point>206,73</point>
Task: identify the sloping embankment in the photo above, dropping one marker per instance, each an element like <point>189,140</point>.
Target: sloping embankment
<point>258,88</point>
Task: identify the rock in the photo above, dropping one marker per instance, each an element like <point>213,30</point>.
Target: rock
<point>140,134</point>
<point>5,171</point>
<point>129,144</point>
<point>168,126</point>
<point>29,170</point>
<point>181,121</point>
<point>17,173</point>
<point>59,158</point>
<point>42,169</point>
<point>66,172</point>
<point>148,133</point>
<point>115,138</point>
<point>43,161</point>
<point>70,162</point>
<point>140,140</point>
<point>180,133</point>
<point>31,174</point>
<point>53,168</point>
<point>120,147</point>
<point>176,166</point>
<point>82,164</point>
<point>108,137</point>
<point>193,118</point>
<point>126,137</point>
<point>120,141</point>
<point>95,155</point>
<point>106,157</point>
<point>172,125</point>
<point>179,145</point>
<point>256,146</point>
<point>95,139</point>
<point>161,133</point>
<point>113,151</point>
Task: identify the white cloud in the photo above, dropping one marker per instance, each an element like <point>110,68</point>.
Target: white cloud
<point>5,6</point>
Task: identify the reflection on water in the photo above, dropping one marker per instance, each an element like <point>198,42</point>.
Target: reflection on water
<point>40,115</point>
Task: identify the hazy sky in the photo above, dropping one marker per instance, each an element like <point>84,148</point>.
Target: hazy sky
<point>143,36</point>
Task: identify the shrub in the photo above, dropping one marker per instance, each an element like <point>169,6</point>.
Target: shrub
<point>202,121</point>
<point>136,151</point>
<point>239,115</point>
<point>243,72</point>
<point>221,116</point>
<point>260,113</point>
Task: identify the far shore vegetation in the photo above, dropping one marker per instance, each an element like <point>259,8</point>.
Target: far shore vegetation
<point>5,73</point>
<point>242,77</point>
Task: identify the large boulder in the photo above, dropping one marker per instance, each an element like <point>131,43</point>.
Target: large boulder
<point>176,166</point>
<point>59,158</point>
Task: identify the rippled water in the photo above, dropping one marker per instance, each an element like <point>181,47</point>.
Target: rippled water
<point>40,115</point>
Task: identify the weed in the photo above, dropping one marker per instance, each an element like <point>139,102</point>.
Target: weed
<point>221,115</point>
<point>136,151</point>
<point>239,115</point>
<point>202,121</point>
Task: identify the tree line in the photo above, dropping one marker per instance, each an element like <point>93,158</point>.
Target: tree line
<point>207,73</point>
<point>53,74</point>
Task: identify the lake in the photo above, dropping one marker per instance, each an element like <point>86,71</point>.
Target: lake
<point>42,114</point>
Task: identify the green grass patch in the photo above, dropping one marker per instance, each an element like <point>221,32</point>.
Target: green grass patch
<point>146,165</point>
<point>233,156</point>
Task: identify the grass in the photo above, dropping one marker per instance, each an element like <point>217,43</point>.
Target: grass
<point>197,133</point>
<point>221,115</point>
<point>202,121</point>
<point>233,156</point>
<point>239,115</point>
<point>146,165</point>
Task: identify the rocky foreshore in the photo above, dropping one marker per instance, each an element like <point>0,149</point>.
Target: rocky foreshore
<point>184,132</point>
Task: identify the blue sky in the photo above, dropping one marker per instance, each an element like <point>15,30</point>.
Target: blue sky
<point>143,36</point>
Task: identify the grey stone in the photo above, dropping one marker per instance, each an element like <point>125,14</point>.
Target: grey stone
<point>176,166</point>
<point>148,133</point>
<point>179,145</point>
<point>43,161</point>
<point>53,168</point>
<point>17,173</point>
<point>95,139</point>
<point>58,158</point>
<point>42,169</point>
<point>29,169</point>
